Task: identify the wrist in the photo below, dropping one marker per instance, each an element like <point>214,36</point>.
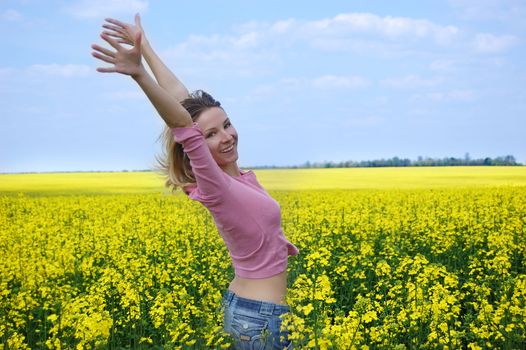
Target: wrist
<point>145,43</point>
<point>139,74</point>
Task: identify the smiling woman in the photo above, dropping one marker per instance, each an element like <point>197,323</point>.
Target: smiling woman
<point>219,134</point>
<point>221,137</point>
<point>201,158</point>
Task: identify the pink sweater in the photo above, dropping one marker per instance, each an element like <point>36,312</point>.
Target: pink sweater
<point>247,218</point>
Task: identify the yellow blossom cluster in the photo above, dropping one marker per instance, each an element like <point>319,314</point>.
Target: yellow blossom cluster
<point>406,269</point>
<point>377,269</point>
<point>98,272</point>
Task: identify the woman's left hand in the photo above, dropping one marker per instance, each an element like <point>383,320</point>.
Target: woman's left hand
<point>124,61</point>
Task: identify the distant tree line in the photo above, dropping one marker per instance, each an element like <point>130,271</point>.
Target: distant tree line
<point>508,160</point>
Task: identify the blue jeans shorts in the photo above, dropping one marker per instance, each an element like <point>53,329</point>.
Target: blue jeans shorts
<point>254,324</point>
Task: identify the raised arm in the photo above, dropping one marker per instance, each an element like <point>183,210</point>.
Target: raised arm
<point>128,62</point>
<point>125,33</point>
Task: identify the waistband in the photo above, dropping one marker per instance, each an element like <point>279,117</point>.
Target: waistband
<point>263,307</point>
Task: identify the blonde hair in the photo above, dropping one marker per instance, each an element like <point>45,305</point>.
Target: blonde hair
<point>174,163</point>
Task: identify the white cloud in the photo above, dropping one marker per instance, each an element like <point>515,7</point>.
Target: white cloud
<point>359,24</point>
<point>103,8</point>
<point>47,70</point>
<point>480,10</point>
<point>292,85</point>
<point>390,27</point>
<point>59,70</point>
<point>447,96</point>
<point>255,47</point>
<point>10,15</point>
<point>258,44</point>
<point>339,82</point>
<point>325,82</point>
<point>262,49</point>
<point>409,82</point>
<point>493,44</point>
<point>247,40</point>
<point>222,55</point>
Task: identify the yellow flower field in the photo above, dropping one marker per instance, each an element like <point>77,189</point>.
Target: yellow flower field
<point>48,184</point>
<point>429,258</point>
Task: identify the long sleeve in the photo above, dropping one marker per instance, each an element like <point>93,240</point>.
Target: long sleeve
<point>211,179</point>
<point>246,216</point>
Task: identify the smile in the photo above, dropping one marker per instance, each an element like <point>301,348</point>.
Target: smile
<point>228,149</point>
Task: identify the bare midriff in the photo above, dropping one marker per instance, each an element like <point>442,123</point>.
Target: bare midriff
<point>272,289</point>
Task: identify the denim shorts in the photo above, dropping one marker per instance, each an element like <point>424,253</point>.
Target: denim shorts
<point>254,324</point>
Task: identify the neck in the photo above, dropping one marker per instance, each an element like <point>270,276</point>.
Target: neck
<point>231,169</point>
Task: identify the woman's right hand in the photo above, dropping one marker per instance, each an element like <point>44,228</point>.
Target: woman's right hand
<point>124,33</point>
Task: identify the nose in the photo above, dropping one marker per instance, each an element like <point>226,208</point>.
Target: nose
<point>226,137</point>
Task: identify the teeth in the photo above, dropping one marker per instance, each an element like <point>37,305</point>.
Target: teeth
<point>228,149</point>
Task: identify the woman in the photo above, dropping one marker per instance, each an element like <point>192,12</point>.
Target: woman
<point>202,158</point>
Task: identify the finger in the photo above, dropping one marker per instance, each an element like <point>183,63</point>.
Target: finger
<point>116,22</point>
<point>104,58</point>
<point>137,44</point>
<point>120,39</point>
<point>114,28</point>
<point>106,70</point>
<point>138,39</point>
<point>111,41</point>
<point>138,20</point>
<point>114,35</point>
<point>103,50</point>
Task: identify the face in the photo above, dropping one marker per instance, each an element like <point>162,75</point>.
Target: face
<point>220,135</point>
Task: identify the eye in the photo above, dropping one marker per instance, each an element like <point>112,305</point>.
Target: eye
<point>228,124</point>
<point>210,134</point>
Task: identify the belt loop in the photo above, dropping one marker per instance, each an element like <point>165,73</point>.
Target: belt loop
<point>266,308</point>
<point>230,297</point>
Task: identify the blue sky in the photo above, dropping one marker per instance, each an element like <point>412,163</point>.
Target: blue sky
<point>302,81</point>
